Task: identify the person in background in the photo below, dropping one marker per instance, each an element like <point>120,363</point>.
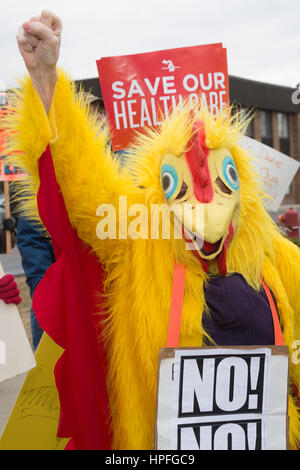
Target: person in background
<point>10,224</point>
<point>9,291</point>
<point>37,256</point>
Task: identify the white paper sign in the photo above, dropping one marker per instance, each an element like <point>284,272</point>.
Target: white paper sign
<point>276,170</point>
<point>16,355</point>
<point>223,399</point>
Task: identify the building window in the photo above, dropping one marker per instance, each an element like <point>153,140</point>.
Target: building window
<point>283,125</point>
<point>283,133</point>
<point>266,127</point>
<point>266,123</point>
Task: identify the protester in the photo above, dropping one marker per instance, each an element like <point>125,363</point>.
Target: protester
<point>9,291</point>
<point>8,224</point>
<point>37,255</point>
<point>195,159</point>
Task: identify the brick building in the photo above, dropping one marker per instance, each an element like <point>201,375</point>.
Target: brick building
<point>276,120</point>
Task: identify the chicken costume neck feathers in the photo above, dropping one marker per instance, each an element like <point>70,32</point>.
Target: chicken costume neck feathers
<point>139,272</point>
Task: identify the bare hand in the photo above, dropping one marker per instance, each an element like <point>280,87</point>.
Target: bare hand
<point>39,43</point>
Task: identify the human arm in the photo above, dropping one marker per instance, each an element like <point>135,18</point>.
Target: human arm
<point>39,44</point>
<point>85,169</point>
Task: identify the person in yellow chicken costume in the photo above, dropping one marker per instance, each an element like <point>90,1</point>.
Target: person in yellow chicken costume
<point>194,158</point>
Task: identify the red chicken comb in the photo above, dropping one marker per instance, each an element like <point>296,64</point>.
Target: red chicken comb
<point>196,156</point>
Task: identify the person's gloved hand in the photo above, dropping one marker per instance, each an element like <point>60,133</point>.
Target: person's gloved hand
<point>9,291</point>
<point>9,223</point>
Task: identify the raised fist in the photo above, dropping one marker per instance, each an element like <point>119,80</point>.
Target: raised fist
<point>39,42</point>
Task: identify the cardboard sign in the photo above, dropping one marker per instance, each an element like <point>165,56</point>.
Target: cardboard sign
<point>139,90</point>
<point>275,169</point>
<point>34,420</point>
<point>16,355</point>
<point>223,399</point>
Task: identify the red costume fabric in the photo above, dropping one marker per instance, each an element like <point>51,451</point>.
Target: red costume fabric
<point>65,305</point>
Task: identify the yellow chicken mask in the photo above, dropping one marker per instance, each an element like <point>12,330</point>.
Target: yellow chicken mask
<point>208,178</point>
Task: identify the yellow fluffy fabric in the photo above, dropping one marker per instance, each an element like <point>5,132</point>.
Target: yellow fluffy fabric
<point>139,273</point>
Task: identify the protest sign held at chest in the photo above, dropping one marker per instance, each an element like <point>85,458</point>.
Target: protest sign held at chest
<point>220,385</point>
<point>230,398</point>
<point>239,435</point>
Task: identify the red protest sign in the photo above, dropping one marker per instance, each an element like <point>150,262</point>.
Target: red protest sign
<point>7,172</point>
<point>139,90</point>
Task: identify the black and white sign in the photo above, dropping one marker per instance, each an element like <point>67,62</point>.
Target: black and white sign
<point>223,399</point>
<point>221,435</point>
<point>218,384</point>
<point>275,170</point>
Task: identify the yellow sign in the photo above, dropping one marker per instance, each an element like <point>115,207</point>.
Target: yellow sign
<point>34,419</point>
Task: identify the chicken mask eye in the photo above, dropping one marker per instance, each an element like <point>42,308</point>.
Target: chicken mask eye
<point>169,180</point>
<point>230,173</point>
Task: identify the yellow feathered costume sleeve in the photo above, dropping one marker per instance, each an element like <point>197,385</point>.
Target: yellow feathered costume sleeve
<point>86,169</point>
<point>287,259</point>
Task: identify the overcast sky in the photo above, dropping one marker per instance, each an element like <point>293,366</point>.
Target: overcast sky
<point>262,37</point>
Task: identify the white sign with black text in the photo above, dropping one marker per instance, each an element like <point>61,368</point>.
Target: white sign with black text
<point>274,169</point>
<point>222,399</point>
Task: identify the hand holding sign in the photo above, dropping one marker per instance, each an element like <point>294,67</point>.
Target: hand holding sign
<point>39,44</point>
<point>9,291</point>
